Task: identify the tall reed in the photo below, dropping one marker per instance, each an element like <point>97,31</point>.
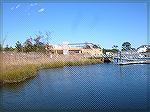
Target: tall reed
<point>22,72</point>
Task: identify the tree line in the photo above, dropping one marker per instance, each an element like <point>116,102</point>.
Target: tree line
<point>36,45</point>
<point>30,44</point>
<point>125,47</point>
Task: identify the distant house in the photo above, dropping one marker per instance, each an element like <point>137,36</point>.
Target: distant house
<point>84,48</point>
<point>110,53</point>
<point>143,48</point>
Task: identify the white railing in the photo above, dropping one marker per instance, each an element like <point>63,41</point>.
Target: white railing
<point>131,57</point>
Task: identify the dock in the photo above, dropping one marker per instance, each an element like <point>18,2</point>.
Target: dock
<point>134,62</point>
<point>131,58</point>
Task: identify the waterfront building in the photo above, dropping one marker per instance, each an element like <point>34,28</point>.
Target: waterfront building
<point>83,48</point>
<point>143,48</point>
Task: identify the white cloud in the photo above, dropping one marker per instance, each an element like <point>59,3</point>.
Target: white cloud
<point>33,4</point>
<point>17,6</point>
<point>41,10</point>
<point>12,8</point>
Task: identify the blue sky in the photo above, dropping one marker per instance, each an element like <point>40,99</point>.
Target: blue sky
<point>106,24</point>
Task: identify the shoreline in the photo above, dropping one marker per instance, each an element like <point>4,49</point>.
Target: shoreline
<point>20,69</point>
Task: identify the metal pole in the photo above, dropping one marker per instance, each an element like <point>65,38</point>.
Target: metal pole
<point>148,23</point>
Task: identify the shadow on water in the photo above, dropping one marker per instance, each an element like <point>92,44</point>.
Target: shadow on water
<point>18,85</point>
<point>148,85</point>
<point>121,72</point>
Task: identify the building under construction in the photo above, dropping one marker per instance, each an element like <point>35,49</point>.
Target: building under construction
<point>84,48</point>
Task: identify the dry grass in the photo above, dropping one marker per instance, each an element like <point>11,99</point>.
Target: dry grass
<point>15,67</point>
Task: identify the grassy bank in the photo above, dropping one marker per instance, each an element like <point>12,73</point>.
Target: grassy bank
<point>20,73</point>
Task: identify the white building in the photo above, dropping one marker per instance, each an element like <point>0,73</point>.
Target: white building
<point>143,48</point>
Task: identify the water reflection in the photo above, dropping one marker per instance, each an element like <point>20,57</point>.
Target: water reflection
<point>17,86</point>
<point>99,87</point>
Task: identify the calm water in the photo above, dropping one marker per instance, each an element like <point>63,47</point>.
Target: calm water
<point>101,87</point>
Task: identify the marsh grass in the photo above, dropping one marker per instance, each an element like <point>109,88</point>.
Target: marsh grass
<point>22,72</point>
<point>56,64</point>
<point>18,74</point>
